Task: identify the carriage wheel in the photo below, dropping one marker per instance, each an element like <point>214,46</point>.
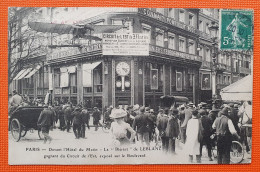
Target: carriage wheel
<point>41,136</point>
<point>23,133</point>
<point>106,127</point>
<point>16,129</point>
<point>236,152</point>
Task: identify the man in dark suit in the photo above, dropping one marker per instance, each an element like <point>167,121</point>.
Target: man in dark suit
<point>45,121</point>
<point>85,117</point>
<point>207,126</point>
<point>172,129</point>
<point>77,122</point>
<point>162,125</point>
<point>140,125</point>
<point>96,117</point>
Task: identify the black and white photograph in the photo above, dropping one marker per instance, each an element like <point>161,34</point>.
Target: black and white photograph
<point>117,85</point>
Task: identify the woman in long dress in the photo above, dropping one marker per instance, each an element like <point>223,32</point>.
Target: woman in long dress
<point>192,145</point>
<point>119,128</point>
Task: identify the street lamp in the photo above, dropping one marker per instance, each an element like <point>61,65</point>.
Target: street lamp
<point>214,28</point>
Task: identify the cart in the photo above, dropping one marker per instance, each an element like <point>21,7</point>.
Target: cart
<point>24,119</point>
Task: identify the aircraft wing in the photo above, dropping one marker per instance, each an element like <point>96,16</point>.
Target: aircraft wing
<point>105,28</point>
<point>53,28</point>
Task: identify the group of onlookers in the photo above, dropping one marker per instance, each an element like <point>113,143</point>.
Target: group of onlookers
<point>193,126</point>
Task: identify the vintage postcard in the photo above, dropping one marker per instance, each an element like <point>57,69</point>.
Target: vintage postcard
<point>129,85</point>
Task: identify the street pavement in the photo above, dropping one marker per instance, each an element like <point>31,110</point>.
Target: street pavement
<point>96,139</point>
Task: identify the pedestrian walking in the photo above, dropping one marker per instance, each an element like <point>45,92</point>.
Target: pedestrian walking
<point>140,125</point>
<point>207,132</point>
<point>77,122</point>
<point>85,121</point>
<point>45,121</point>
<point>224,131</point>
<point>96,117</point>
<point>119,128</point>
<point>162,125</point>
<point>192,145</point>
<point>68,116</point>
<point>172,129</point>
<point>188,116</point>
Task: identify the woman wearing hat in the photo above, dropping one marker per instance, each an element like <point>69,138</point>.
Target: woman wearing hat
<point>119,128</point>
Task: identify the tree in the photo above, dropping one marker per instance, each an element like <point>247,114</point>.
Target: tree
<point>23,42</point>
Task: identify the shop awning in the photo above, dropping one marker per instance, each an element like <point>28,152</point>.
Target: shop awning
<point>238,91</point>
<point>87,74</point>
<point>19,74</point>
<point>90,66</point>
<point>33,71</point>
<point>24,73</point>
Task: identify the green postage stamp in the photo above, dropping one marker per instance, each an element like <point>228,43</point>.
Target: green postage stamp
<point>236,29</point>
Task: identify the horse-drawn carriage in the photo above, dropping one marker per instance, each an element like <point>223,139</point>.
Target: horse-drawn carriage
<point>24,119</point>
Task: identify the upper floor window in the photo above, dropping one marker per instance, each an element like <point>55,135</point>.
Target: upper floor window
<point>182,16</point>
<point>191,19</point>
<point>201,53</point>
<point>159,37</point>
<point>207,28</point>
<point>146,29</point>
<point>171,13</point>
<point>171,41</point>
<point>182,43</point>
<point>191,47</point>
<point>201,25</point>
<point>207,55</point>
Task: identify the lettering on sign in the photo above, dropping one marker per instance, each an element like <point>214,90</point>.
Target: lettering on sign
<point>74,51</point>
<point>168,20</point>
<point>125,44</point>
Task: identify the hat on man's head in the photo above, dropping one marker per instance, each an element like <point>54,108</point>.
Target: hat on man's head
<point>118,113</point>
<point>224,111</point>
<point>45,106</point>
<point>14,91</point>
<point>190,104</point>
<point>151,110</point>
<point>231,104</point>
<point>142,109</point>
<point>203,104</point>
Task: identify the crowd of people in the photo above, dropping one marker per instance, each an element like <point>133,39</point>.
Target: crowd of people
<point>191,125</point>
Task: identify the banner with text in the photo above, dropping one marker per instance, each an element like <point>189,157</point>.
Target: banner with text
<point>135,44</point>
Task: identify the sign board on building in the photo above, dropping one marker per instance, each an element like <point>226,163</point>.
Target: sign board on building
<point>135,44</point>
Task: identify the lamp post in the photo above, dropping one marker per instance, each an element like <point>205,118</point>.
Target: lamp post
<point>214,27</point>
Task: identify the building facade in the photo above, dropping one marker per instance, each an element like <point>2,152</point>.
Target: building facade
<point>227,67</point>
<point>179,61</point>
